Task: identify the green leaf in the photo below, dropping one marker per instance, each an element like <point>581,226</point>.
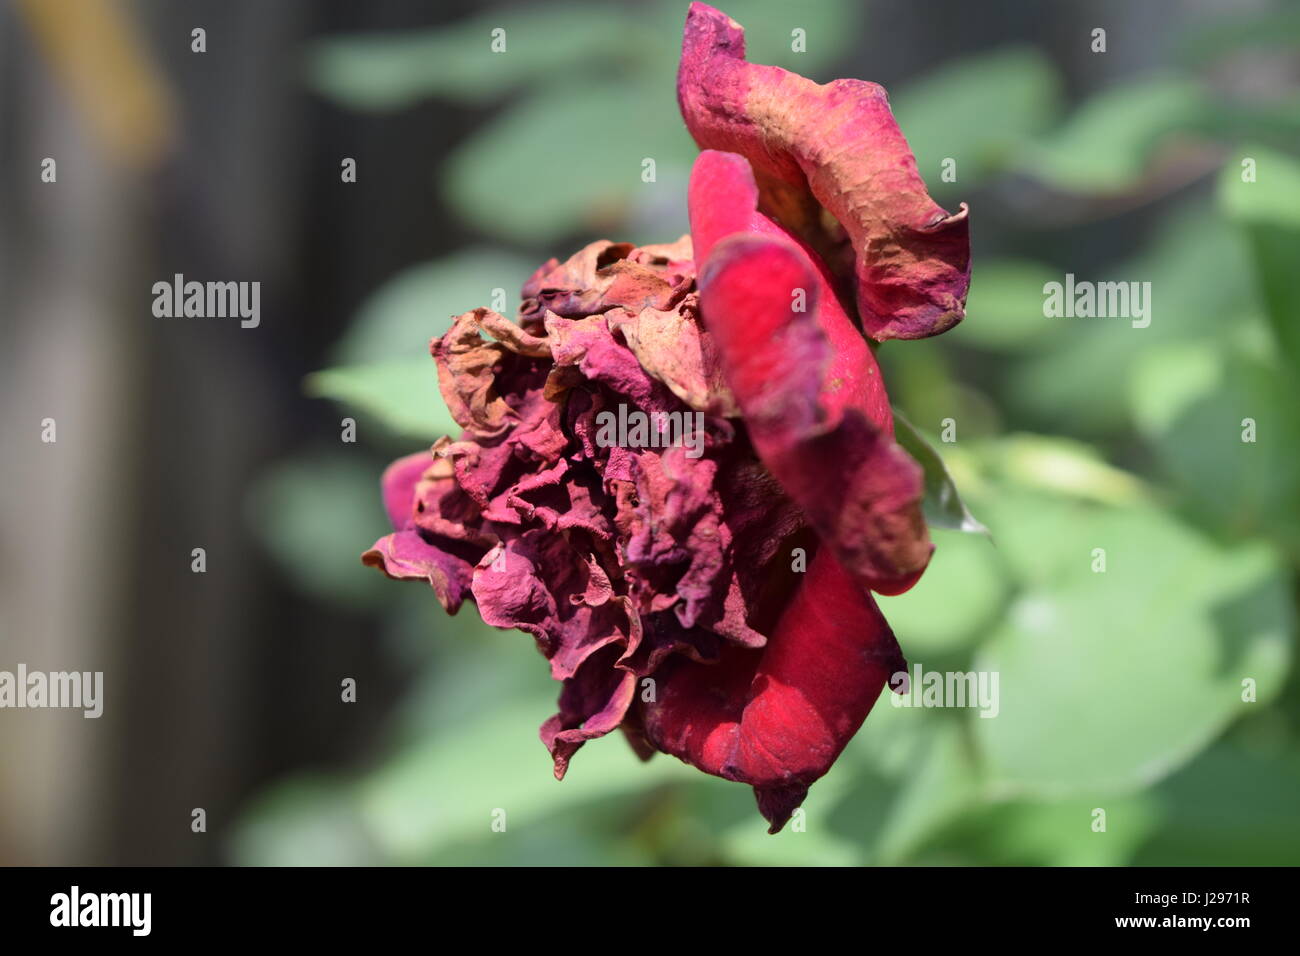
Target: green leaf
<point>1199,270</point>
<point>1270,197</point>
<point>1237,486</point>
<point>1107,145</point>
<point>401,396</point>
<point>1167,380</point>
<point>1110,679</point>
<point>443,791</point>
<point>389,71</point>
<point>585,836</point>
<point>939,782</point>
<point>1267,209</point>
<point>1231,807</point>
<point>942,505</point>
<point>1048,833</point>
<point>945,115</point>
<point>568,158</point>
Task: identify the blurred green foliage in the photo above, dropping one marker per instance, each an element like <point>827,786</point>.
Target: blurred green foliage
<point>1119,690</point>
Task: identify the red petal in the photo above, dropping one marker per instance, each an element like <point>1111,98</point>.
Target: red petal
<point>860,491</point>
<point>838,146</point>
<point>777,718</point>
<point>723,201</point>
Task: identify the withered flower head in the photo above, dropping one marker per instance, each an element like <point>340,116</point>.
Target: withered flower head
<point>665,584</point>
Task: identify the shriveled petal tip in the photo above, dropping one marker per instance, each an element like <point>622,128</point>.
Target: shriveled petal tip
<point>835,145</point>
<point>778,804</point>
<point>861,491</point>
<point>592,703</point>
<point>406,556</point>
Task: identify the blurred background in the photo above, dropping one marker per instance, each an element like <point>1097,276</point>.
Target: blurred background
<point>1173,157</point>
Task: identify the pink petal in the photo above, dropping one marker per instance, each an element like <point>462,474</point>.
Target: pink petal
<point>405,556</point>
<point>398,484</point>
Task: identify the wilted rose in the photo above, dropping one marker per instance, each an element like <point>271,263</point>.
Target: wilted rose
<point>715,606</point>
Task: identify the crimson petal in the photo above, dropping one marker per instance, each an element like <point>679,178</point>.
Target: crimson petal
<point>778,717</point>
<point>835,147</point>
<point>860,490</point>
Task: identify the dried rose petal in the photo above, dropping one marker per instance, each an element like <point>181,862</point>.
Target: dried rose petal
<point>860,491</point>
<point>723,199</point>
<point>834,147</point>
<point>777,719</point>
